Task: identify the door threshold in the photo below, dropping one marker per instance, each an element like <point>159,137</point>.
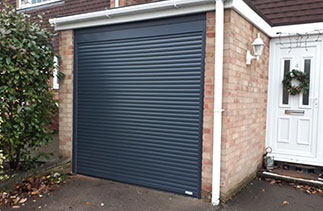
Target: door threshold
<point>295,173</point>
<point>314,183</point>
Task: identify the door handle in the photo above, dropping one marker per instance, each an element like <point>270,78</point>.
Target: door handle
<point>315,101</point>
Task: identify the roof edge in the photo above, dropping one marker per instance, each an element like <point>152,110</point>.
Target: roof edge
<point>133,13</point>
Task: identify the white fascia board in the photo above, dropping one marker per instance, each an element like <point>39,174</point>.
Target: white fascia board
<point>249,14</point>
<point>133,13</point>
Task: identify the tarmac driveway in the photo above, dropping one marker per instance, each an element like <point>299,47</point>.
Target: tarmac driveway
<point>91,194</point>
<point>85,193</point>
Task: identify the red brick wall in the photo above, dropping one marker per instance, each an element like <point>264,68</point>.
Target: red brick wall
<point>244,104</point>
<point>208,107</point>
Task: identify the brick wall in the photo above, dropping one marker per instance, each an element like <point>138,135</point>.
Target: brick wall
<point>66,46</point>
<point>208,107</point>
<point>244,104</point>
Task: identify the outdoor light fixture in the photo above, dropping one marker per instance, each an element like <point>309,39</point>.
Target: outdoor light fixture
<point>258,46</point>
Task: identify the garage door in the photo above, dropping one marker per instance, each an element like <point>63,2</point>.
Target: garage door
<point>138,103</point>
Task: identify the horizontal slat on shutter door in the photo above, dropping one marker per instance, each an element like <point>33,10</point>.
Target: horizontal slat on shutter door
<point>139,109</point>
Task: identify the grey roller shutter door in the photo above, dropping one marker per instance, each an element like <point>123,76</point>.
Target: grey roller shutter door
<point>138,105</point>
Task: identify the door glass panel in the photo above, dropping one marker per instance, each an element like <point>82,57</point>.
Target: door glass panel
<point>307,69</point>
<point>285,92</point>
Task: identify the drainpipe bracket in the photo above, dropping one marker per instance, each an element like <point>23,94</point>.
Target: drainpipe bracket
<point>175,4</point>
<point>219,111</point>
<point>107,14</point>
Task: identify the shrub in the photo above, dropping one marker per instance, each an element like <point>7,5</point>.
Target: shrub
<point>27,105</point>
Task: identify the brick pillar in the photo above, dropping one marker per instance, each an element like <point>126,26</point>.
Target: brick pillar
<point>66,46</point>
<point>208,107</point>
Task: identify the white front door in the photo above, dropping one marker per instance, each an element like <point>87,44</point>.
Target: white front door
<point>293,124</point>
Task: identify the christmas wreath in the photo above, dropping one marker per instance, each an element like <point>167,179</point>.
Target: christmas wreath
<point>304,82</point>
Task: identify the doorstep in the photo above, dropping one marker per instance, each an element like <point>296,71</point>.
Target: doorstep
<point>295,173</point>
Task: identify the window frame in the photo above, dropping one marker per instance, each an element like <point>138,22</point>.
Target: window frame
<point>301,99</point>
<point>282,64</point>
<point>285,71</point>
<point>21,6</point>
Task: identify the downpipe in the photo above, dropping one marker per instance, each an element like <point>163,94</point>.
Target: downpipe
<point>217,114</point>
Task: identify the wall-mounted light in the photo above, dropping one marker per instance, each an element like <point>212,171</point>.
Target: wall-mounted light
<point>258,46</point>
